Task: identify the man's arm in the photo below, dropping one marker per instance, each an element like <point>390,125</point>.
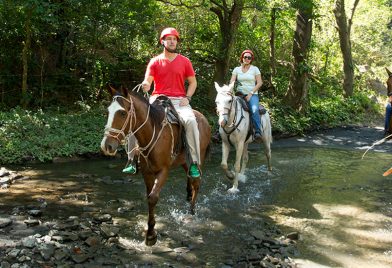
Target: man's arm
<point>192,84</point>
<point>147,83</point>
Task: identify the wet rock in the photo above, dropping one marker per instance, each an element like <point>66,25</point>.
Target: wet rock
<point>258,234</point>
<point>266,264</point>
<point>109,231</point>
<point>79,258</point>
<point>181,250</point>
<point>31,222</point>
<point>93,241</point>
<point>5,222</point>
<point>5,264</point>
<point>61,254</point>
<point>14,253</point>
<point>34,212</point>
<point>46,250</point>
<point>103,218</point>
<point>7,177</point>
<point>29,242</point>
<point>293,235</point>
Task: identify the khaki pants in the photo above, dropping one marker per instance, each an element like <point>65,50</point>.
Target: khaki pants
<point>188,120</point>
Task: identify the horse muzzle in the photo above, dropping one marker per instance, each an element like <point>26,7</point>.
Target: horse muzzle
<point>222,121</point>
<point>109,146</point>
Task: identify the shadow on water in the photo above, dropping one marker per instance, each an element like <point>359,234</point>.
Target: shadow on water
<point>340,204</point>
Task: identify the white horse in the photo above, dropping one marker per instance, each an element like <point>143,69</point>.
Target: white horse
<point>234,125</point>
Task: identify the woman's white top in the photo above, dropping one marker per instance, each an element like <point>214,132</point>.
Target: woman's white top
<point>247,80</point>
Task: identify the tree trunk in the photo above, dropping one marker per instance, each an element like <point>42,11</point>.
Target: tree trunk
<point>25,58</point>
<point>229,20</point>
<point>344,29</point>
<point>272,49</point>
<point>297,93</point>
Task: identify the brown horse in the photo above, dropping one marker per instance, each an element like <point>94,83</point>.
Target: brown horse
<point>389,91</point>
<point>158,141</point>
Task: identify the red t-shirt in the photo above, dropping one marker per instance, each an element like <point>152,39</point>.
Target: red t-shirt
<point>169,76</point>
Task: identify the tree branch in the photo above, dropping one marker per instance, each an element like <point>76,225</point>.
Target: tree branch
<point>180,3</point>
<point>350,21</point>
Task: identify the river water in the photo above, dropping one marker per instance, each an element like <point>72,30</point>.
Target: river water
<point>340,205</point>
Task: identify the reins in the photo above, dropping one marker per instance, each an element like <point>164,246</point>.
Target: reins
<point>234,125</point>
<point>131,118</point>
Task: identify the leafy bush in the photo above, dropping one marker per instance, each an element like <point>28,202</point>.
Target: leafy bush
<point>42,136</point>
<point>323,112</point>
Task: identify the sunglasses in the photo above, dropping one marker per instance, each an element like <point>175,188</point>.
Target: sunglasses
<point>248,57</point>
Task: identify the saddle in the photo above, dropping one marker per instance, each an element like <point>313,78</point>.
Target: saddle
<point>246,107</point>
<point>173,118</point>
<point>245,104</point>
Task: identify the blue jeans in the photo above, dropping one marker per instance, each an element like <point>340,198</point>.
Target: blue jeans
<point>254,110</point>
<point>388,113</point>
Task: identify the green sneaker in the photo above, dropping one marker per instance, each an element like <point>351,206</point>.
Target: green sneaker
<point>194,171</point>
<point>131,169</point>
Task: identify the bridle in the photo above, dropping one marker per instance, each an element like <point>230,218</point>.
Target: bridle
<point>234,125</point>
<point>131,118</point>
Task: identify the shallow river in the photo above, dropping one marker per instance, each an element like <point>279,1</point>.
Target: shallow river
<point>341,205</point>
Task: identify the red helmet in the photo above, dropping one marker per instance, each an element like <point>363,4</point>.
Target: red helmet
<point>169,31</point>
<point>247,51</point>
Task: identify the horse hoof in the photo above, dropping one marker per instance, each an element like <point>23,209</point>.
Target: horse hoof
<point>233,190</point>
<point>151,240</point>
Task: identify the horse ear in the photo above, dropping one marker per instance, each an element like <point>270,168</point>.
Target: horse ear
<point>388,71</point>
<point>124,91</point>
<point>111,90</point>
<point>217,87</point>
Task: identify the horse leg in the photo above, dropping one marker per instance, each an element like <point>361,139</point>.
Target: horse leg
<point>225,155</point>
<point>154,187</point>
<point>237,166</point>
<point>195,182</point>
<point>245,158</point>
<point>267,148</point>
<point>188,183</point>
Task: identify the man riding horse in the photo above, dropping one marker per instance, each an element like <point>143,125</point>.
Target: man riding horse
<point>168,71</point>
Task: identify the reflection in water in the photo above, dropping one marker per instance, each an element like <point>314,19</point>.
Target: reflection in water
<point>340,204</point>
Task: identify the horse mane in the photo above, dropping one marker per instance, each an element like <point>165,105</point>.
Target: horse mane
<point>156,112</point>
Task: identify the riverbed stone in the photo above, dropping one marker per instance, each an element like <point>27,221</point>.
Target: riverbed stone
<point>4,222</point>
<point>5,264</point>
<point>79,258</point>
<point>14,253</point>
<point>46,250</point>
<point>109,231</point>
<point>293,235</point>
<point>34,212</point>
<point>29,242</point>
<point>31,222</point>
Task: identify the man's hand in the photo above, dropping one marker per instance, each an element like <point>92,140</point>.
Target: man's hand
<point>184,101</point>
<point>146,86</point>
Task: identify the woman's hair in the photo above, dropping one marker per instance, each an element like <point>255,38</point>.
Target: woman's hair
<point>247,51</point>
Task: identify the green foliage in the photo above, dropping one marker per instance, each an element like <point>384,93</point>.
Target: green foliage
<point>323,113</point>
<point>42,136</point>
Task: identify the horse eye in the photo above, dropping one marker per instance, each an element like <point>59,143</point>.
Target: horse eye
<point>123,113</point>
